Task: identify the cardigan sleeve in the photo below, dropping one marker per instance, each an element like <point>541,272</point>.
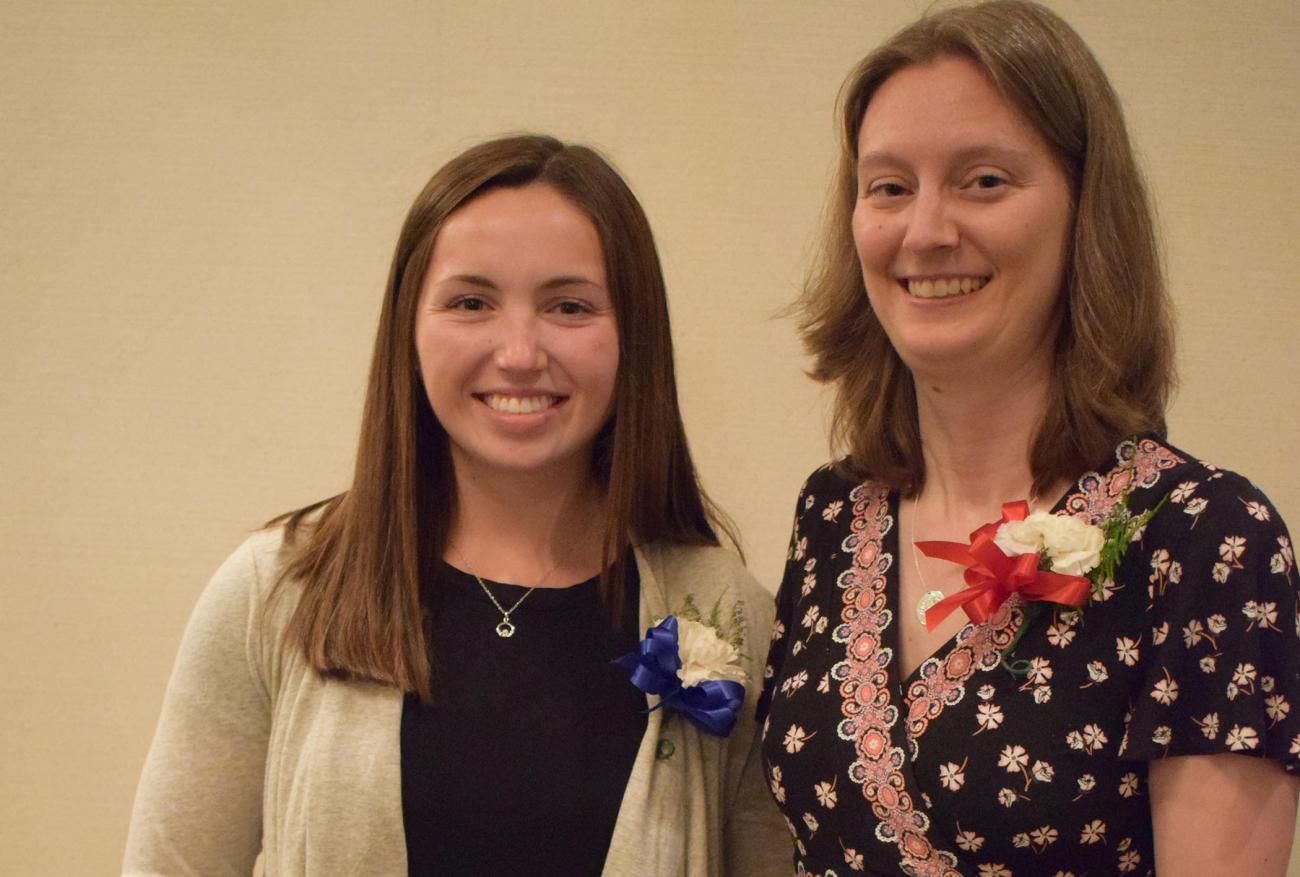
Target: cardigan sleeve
<point>198,809</point>
<point>756,840</point>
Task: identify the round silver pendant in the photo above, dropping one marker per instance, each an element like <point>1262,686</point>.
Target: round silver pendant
<point>505,629</point>
<point>928,599</point>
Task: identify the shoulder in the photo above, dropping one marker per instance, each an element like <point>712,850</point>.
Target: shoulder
<point>829,507</point>
<point>240,592</point>
<point>1215,556</point>
<point>1147,469</point>
<point>262,555</point>
<point>833,487</point>
<point>711,583</point>
<point>830,482</point>
<point>1194,498</point>
<point>1204,502</point>
<point>1201,479</point>
<point>701,570</point>
<point>233,634</point>
<point>255,566</point>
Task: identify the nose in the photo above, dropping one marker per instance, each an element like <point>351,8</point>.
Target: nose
<point>520,348</point>
<point>930,224</point>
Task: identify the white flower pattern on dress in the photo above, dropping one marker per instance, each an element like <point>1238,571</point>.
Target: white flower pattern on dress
<point>825,792</point>
<point>952,775</point>
<point>1179,653</point>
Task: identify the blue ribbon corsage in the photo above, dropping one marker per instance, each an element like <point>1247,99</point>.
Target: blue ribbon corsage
<point>710,705</point>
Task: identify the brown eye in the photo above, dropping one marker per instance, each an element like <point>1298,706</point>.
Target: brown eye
<point>571,308</point>
<point>887,190</point>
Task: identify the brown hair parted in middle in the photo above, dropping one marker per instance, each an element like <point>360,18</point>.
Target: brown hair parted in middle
<point>364,554</point>
<point>1113,365</point>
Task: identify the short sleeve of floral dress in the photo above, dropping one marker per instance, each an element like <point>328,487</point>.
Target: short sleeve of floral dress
<point>964,768</point>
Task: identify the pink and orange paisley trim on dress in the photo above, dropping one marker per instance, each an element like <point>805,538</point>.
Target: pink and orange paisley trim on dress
<point>941,681</point>
<point>866,699</point>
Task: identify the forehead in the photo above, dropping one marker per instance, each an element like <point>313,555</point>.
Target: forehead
<point>533,223</point>
<point>944,104</point>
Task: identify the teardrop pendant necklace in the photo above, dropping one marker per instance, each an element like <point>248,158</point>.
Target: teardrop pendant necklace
<point>931,597</point>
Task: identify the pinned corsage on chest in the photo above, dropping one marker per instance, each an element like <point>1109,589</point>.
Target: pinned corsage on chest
<point>693,668</point>
<point>1044,558</point>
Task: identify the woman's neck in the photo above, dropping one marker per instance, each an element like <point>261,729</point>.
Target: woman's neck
<point>976,434</point>
<point>533,528</point>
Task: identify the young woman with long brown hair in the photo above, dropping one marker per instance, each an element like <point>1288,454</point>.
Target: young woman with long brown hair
<point>419,675</point>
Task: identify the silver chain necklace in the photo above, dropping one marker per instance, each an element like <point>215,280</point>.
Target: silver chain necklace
<point>932,596</point>
<point>506,627</point>
<point>929,596</point>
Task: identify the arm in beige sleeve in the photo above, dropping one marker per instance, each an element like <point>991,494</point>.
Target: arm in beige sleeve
<point>757,841</point>
<point>198,809</point>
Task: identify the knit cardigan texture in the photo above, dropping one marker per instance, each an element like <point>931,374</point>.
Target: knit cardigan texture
<point>257,755</point>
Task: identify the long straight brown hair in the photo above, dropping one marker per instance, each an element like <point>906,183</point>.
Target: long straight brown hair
<point>363,558</point>
<point>1113,371</point>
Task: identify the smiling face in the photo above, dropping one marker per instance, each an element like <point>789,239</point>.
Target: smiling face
<point>961,224</point>
<point>516,335</point>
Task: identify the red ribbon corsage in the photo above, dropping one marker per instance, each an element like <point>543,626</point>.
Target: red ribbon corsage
<point>992,576</point>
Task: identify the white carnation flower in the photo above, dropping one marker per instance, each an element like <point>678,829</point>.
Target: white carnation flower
<point>1020,537</point>
<point>705,655</point>
<point>1072,546</point>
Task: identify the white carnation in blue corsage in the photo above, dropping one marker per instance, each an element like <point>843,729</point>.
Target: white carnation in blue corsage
<point>693,668</point>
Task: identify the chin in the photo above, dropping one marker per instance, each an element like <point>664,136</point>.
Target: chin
<point>526,463</point>
<point>944,358</point>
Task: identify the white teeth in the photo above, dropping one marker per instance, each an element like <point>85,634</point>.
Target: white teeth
<point>944,287</point>
<point>518,404</point>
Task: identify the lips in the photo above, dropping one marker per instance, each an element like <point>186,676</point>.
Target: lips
<point>944,287</point>
<point>512,404</point>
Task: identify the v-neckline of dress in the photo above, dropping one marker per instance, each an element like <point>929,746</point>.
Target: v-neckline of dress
<point>893,581</point>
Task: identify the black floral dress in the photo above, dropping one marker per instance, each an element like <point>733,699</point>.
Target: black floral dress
<point>963,768</point>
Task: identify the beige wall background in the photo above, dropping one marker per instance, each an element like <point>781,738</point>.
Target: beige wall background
<point>200,201</point>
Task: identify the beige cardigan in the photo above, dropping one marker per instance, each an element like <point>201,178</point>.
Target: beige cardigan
<point>255,752</point>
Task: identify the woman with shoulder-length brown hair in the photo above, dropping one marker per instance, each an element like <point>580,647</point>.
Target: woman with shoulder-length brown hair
<point>439,670</point>
<point>1020,632</point>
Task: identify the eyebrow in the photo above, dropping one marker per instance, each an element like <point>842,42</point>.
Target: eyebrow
<point>966,153</point>
<point>553,283</point>
<point>470,279</point>
<point>568,280</point>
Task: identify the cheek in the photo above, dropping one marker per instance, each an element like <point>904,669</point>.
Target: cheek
<point>872,238</point>
<point>605,360</point>
<point>1044,251</point>
<point>874,258</point>
<point>1046,233</point>
<point>443,359</point>
<point>423,354</point>
<point>600,363</point>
